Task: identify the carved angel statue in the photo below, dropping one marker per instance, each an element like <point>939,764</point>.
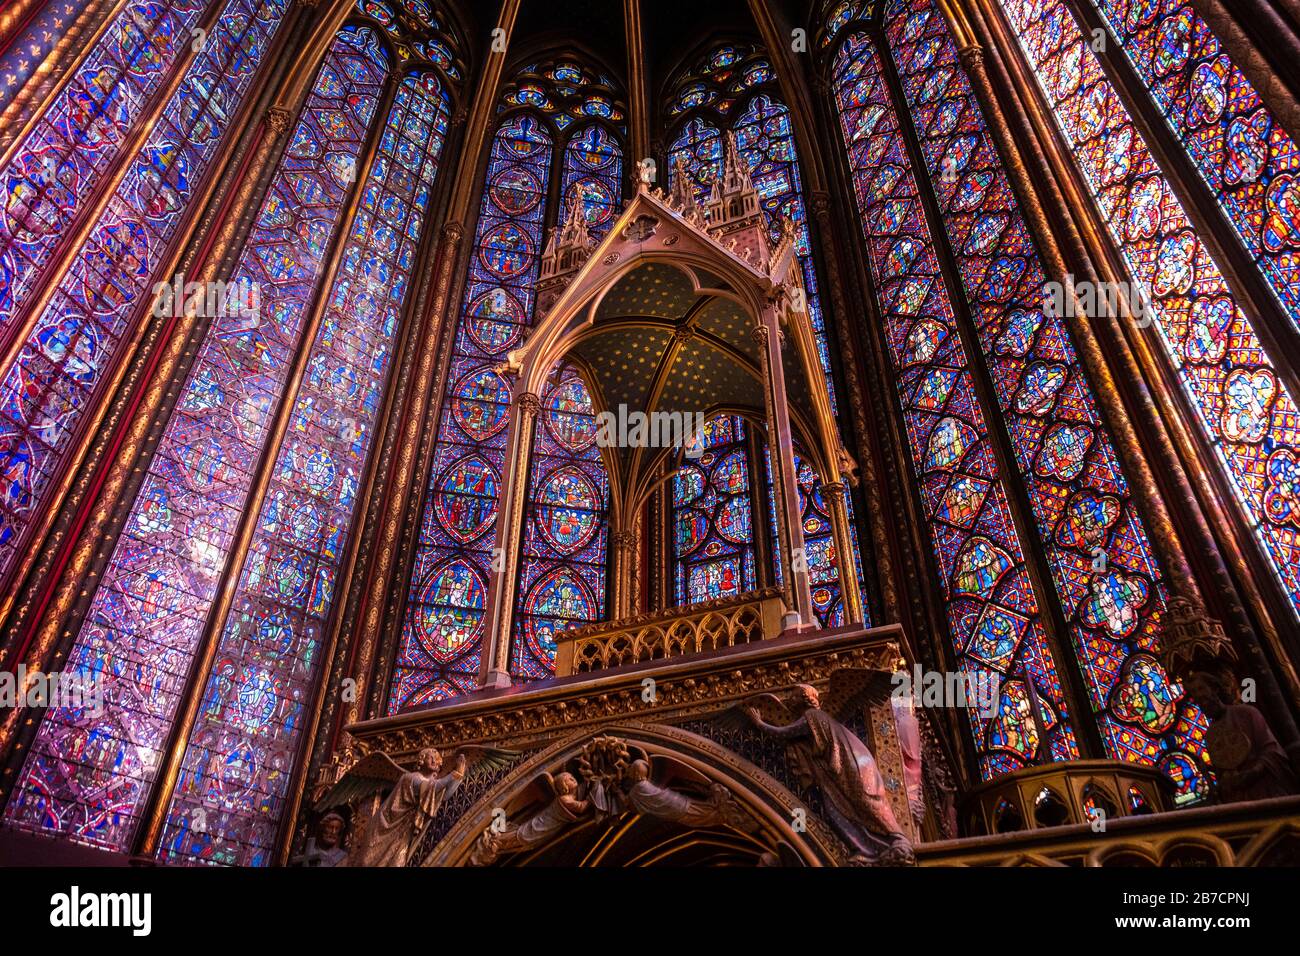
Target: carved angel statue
<point>826,754</point>
<point>393,831</point>
<point>654,800</point>
<point>564,809</point>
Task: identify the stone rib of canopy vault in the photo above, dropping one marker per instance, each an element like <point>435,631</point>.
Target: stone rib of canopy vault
<point>740,306</point>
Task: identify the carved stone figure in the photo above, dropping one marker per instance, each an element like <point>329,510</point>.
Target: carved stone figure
<point>325,848</point>
<point>565,809</point>
<point>826,754</point>
<point>1249,763</point>
<point>653,800</point>
<point>607,778</point>
<point>389,833</point>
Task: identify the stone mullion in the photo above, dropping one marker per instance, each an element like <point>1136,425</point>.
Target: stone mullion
<point>760,523</point>
<point>1159,426</point>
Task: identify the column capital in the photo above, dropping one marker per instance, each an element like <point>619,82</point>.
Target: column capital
<point>972,56</point>
<point>277,119</point>
<point>529,404</point>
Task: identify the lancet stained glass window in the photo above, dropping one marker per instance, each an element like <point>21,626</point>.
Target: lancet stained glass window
<point>444,623</point>
<point>441,641</point>
<point>1244,408</point>
<point>88,774</point>
<point>1078,494</point>
<point>244,743</point>
<point>993,615</point>
<point>67,354</point>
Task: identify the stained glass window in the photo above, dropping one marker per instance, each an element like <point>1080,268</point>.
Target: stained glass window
<point>713,539</point>
<point>88,774</point>
<point>68,352</point>
<point>1107,581</point>
<point>1243,407</point>
<point>1246,158</point>
<point>563,553</point>
<point>993,616</point>
<point>80,135</point>
<point>562,564</point>
<point>32,47</point>
<point>251,719</point>
<point>441,640</point>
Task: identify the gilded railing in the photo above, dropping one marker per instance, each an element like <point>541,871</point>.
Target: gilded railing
<point>675,632</point>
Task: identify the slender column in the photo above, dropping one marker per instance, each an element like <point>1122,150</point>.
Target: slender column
<point>623,544</point>
<point>500,611</point>
<point>794,555</point>
<point>850,588</point>
<point>637,82</point>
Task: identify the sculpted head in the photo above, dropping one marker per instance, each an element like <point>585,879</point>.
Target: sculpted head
<point>330,831</point>
<point>807,696</point>
<point>429,760</point>
<point>1209,693</point>
<point>565,784</point>
<point>639,770</point>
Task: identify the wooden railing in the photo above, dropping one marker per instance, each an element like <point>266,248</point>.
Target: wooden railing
<point>675,632</point>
